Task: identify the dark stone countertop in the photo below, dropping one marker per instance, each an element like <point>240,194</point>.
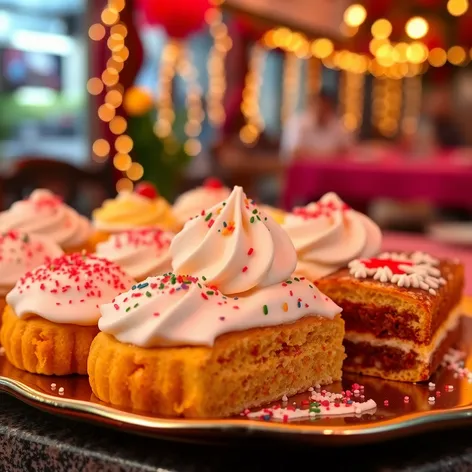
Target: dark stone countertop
<point>31,440</point>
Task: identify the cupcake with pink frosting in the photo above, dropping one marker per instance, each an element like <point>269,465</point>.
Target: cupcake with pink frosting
<point>45,214</point>
<point>20,253</point>
<point>192,202</point>
<point>141,253</point>
<point>328,234</point>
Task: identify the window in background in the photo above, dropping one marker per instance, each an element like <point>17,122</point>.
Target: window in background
<point>43,64</point>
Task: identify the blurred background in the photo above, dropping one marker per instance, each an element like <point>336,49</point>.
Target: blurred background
<point>291,99</point>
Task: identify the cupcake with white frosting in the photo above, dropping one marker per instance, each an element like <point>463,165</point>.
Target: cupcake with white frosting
<point>19,253</point>
<point>237,331</point>
<point>328,234</point>
<point>52,313</point>
<point>45,214</point>
<point>139,252</point>
<point>193,202</point>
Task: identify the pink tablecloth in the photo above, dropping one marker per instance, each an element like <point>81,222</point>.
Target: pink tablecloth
<point>443,180</point>
<point>406,242</point>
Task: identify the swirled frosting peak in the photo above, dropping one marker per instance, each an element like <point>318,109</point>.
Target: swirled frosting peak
<point>45,214</point>
<point>19,253</point>
<point>139,252</point>
<point>181,310</point>
<point>328,234</point>
<point>192,202</point>
<point>69,289</point>
<point>234,246</point>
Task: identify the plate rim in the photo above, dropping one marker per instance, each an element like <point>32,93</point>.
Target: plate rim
<point>105,415</point>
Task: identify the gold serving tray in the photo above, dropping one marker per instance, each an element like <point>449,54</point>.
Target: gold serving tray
<point>73,398</point>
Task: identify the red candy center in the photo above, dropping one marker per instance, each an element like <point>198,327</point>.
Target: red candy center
<point>394,266</point>
<point>213,183</point>
<point>146,189</point>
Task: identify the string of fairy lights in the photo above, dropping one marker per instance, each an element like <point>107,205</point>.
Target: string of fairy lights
<point>109,83</point>
<point>396,68</point>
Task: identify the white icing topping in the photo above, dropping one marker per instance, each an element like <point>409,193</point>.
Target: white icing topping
<point>68,290</point>
<point>321,404</point>
<point>417,270</point>
<point>328,234</point>
<point>191,203</point>
<point>19,253</point>
<point>234,246</point>
<point>170,310</point>
<point>44,213</point>
<point>139,252</point>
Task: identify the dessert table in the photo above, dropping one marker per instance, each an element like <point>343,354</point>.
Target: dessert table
<point>443,179</point>
<point>33,440</point>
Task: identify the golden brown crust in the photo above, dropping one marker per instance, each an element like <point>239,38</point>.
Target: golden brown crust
<point>416,311</point>
<point>242,370</point>
<point>2,307</point>
<point>42,347</point>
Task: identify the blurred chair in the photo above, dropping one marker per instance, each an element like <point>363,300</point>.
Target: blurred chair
<point>83,188</point>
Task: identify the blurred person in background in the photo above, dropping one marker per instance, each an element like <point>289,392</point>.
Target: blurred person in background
<point>317,131</point>
<point>438,127</point>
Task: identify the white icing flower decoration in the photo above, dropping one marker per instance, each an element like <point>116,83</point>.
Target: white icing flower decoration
<point>417,270</point>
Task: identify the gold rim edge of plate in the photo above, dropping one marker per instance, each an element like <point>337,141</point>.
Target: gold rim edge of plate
<point>102,412</point>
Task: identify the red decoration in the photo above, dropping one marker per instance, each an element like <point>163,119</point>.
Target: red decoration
<point>213,183</point>
<point>179,18</point>
<point>393,265</point>
<point>146,189</point>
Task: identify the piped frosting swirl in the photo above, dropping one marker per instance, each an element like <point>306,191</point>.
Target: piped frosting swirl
<point>19,253</point>
<point>176,310</point>
<point>69,289</point>
<point>139,252</point>
<point>45,214</point>
<point>192,202</point>
<point>234,246</point>
<point>328,234</point>
<point>131,210</point>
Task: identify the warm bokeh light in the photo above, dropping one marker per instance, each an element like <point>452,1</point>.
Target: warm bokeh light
<point>322,48</point>
<point>113,98</point>
<point>119,29</point>
<point>124,185</point>
<point>118,125</point>
<point>101,148</point>
<point>110,77</point>
<point>457,7</point>
<point>135,172</point>
<point>116,42</point>
<point>96,32</point>
<point>456,55</point>
<point>416,27</point>
<point>355,15</point>
<point>192,147</point>
<point>400,52</point>
<point>117,5</point>
<point>122,55</point>
<point>376,44</point>
<point>381,29</point>
<point>437,57</point>
<point>110,16</point>
<point>106,112</point>
<point>124,144</point>
<point>95,86</point>
<point>417,53</point>
<point>122,162</point>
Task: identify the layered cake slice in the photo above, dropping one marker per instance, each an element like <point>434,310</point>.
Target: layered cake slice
<point>401,313</point>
